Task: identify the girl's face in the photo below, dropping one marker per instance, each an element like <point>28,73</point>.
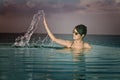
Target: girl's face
<point>76,35</point>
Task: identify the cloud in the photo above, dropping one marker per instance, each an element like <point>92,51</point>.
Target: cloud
<point>117,1</point>
<point>83,6</point>
<point>101,6</point>
<point>30,4</point>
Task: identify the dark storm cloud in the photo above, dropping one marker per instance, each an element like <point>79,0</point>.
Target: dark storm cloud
<point>1,6</point>
<point>50,6</point>
<point>99,15</point>
<point>13,6</point>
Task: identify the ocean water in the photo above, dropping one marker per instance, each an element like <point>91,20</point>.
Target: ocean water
<point>100,63</point>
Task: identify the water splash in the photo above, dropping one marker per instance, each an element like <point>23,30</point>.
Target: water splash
<point>23,40</point>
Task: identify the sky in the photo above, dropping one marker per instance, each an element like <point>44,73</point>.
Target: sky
<point>100,16</point>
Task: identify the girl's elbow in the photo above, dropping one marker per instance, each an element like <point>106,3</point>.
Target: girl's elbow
<point>53,39</point>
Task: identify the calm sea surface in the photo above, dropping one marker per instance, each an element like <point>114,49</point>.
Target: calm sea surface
<point>100,63</point>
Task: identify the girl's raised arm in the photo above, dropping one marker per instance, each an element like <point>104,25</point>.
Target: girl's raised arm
<point>65,43</point>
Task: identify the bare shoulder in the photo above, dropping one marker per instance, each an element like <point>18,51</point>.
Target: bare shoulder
<point>68,43</point>
<point>87,45</point>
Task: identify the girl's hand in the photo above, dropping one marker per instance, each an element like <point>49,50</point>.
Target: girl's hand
<point>42,11</point>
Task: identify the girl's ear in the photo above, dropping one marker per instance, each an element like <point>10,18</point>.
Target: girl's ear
<point>82,35</point>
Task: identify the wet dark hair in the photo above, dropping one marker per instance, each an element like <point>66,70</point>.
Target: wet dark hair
<point>81,29</point>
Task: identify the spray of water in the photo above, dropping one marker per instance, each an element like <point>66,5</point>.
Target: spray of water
<point>23,41</point>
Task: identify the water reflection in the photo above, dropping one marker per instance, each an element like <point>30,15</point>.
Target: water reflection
<point>12,65</point>
<point>78,66</point>
<point>42,64</point>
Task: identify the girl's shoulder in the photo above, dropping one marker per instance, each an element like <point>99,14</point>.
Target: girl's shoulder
<point>87,45</point>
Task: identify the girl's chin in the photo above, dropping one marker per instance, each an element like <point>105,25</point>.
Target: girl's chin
<point>73,38</point>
